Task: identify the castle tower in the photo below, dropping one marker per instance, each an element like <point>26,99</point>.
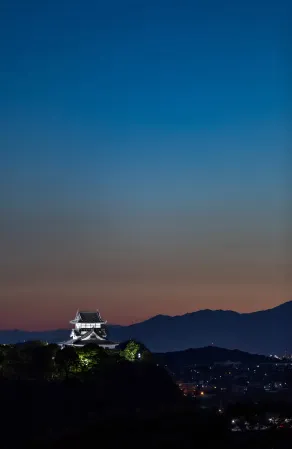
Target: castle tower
<point>89,328</point>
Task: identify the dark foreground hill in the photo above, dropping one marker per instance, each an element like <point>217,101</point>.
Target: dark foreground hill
<point>264,332</point>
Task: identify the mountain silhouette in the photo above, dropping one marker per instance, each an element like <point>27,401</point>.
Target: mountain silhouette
<point>263,332</point>
<point>208,356</point>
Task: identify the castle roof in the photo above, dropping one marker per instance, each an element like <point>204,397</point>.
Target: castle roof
<point>88,317</point>
<point>91,337</point>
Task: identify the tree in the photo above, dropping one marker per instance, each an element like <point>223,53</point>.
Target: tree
<point>147,356</point>
<point>42,362</point>
<point>67,360</point>
<point>4,349</point>
<point>13,366</point>
<point>134,350</point>
<point>90,356</point>
<point>3,353</point>
<point>131,351</point>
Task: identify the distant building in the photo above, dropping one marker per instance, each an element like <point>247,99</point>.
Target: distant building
<point>89,328</point>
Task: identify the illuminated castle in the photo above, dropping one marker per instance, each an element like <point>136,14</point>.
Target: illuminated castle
<point>89,328</point>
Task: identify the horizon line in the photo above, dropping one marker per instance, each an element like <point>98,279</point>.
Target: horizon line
<point>149,318</point>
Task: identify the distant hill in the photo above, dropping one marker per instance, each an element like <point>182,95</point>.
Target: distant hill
<point>264,332</point>
<point>17,336</point>
<point>207,356</point>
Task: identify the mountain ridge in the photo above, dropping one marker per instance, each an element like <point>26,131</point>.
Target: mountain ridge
<point>207,355</point>
<point>287,303</point>
<point>264,331</point>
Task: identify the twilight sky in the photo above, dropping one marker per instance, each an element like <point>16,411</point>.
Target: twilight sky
<point>144,158</point>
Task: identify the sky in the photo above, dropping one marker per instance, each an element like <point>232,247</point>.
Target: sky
<point>144,158</point>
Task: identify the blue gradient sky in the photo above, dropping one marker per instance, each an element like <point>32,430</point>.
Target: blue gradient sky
<point>144,157</point>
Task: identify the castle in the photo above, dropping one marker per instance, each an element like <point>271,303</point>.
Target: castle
<point>89,327</point>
